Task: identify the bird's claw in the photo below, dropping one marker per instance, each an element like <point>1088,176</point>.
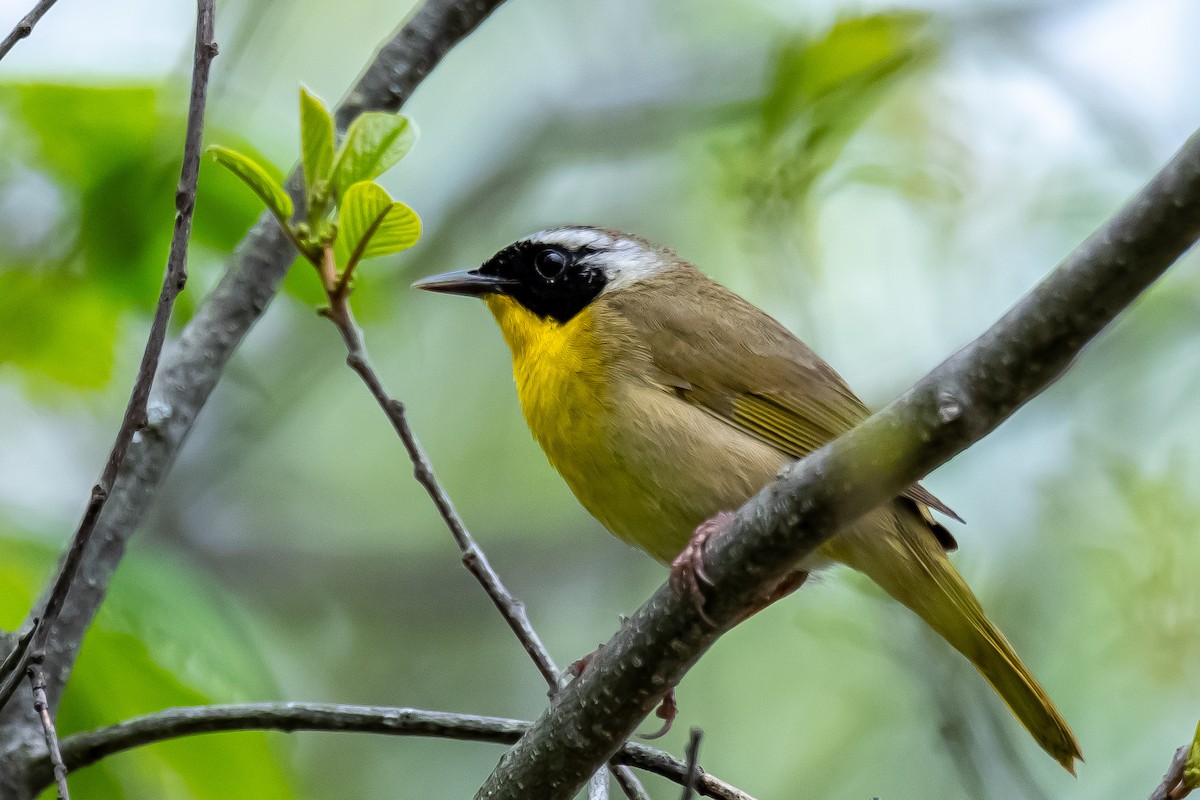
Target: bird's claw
<point>687,570</point>
<point>667,710</point>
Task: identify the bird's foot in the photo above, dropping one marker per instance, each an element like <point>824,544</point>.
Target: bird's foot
<point>580,664</point>
<point>687,570</point>
<point>667,710</point>
<point>791,582</point>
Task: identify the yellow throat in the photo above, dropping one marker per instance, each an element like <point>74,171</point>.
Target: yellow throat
<point>560,371</point>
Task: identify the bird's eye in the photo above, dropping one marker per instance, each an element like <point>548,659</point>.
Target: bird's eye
<point>549,263</point>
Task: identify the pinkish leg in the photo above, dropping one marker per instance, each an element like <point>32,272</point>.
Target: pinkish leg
<point>687,570</point>
<point>667,711</point>
<point>789,584</point>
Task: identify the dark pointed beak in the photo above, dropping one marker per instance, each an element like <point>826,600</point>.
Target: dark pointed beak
<point>466,282</point>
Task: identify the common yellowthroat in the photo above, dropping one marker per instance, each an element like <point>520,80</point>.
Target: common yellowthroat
<point>664,399</point>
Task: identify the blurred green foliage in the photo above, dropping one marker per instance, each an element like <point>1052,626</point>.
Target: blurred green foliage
<point>820,91</point>
<point>289,554</point>
<point>104,162</point>
<point>163,639</point>
<point>1150,594</point>
<point>345,206</point>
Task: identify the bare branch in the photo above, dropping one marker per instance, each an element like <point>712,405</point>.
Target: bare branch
<point>174,279</point>
<point>597,785</point>
<point>41,707</point>
<point>666,765</point>
<point>1183,775</point>
<point>82,749</point>
<point>629,783</point>
<point>411,54</point>
<point>693,764</point>
<point>189,371</point>
<point>1173,778</point>
<point>949,409</point>
<point>473,557</point>
<point>25,26</point>
<point>16,656</point>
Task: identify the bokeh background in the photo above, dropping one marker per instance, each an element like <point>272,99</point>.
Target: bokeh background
<point>884,179</point>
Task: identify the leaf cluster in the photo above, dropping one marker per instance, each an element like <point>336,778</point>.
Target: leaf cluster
<point>348,216</point>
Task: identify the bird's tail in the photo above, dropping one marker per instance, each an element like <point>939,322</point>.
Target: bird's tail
<point>915,570</point>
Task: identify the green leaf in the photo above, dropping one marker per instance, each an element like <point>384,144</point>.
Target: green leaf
<point>371,224</point>
<point>257,178</point>
<point>316,146</point>
<point>374,143</point>
<point>164,637</point>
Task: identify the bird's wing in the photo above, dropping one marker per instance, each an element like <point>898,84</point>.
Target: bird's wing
<point>746,369</point>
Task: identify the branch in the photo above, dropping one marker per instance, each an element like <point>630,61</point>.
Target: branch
<point>1173,786</point>
<point>628,783</point>
<point>83,749</point>
<point>190,370</point>
<point>41,706</point>
<point>473,557</point>
<point>410,55</point>
<point>693,763</point>
<point>597,786</point>
<point>134,420</point>
<point>25,26</point>
<point>16,656</point>
<point>949,409</point>
<point>1183,775</point>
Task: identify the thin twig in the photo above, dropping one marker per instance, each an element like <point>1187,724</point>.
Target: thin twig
<point>952,407</point>
<point>174,279</point>
<point>628,782</point>
<point>1173,786</point>
<point>16,656</point>
<point>25,26</point>
<point>83,749</point>
<point>473,557</point>
<point>41,706</point>
<point>692,755</point>
<point>510,608</point>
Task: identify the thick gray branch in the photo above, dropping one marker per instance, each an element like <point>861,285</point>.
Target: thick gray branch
<point>952,407</point>
<point>190,369</point>
<point>82,749</point>
<point>410,55</point>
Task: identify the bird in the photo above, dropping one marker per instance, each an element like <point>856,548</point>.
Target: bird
<point>665,401</point>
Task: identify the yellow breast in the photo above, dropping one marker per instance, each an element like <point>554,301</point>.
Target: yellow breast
<point>648,466</point>
<point>560,374</point>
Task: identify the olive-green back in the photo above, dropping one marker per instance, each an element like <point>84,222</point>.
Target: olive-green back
<point>744,368</point>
